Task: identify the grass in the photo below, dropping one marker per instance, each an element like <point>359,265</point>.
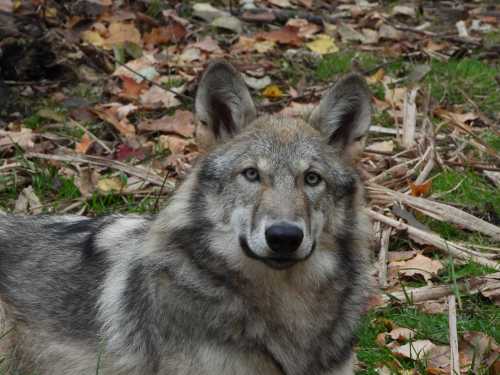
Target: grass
<point>476,315</point>
<point>467,189</point>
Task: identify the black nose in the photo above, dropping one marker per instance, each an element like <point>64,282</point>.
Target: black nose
<point>284,238</point>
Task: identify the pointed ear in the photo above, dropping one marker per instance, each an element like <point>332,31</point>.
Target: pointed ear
<point>223,105</point>
<point>344,114</point>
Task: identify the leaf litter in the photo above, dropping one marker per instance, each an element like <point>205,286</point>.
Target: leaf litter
<point>133,135</point>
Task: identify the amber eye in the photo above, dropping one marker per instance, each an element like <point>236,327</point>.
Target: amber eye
<point>312,178</point>
<point>251,174</point>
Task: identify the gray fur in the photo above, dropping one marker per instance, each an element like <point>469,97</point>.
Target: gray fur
<point>195,290</point>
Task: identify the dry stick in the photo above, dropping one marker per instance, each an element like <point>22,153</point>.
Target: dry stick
<point>91,135</point>
<point>382,257</point>
<point>472,285</point>
<point>433,239</point>
<point>103,162</point>
<point>452,321</point>
<point>439,211</point>
<point>409,119</point>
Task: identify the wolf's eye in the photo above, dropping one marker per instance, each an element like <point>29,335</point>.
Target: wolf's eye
<point>312,178</point>
<point>251,174</point>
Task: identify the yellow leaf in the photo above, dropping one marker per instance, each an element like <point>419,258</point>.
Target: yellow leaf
<point>51,12</point>
<point>272,91</point>
<point>264,46</point>
<point>323,44</point>
<point>93,37</point>
<point>377,77</point>
<point>111,184</point>
<point>121,32</point>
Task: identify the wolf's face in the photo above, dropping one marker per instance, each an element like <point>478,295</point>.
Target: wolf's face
<point>279,187</point>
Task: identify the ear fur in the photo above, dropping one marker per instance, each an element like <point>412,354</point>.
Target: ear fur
<point>344,114</point>
<point>223,105</point>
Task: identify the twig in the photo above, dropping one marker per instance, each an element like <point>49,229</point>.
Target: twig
<point>435,240</point>
<point>479,167</point>
<point>103,162</point>
<point>91,135</point>
<point>382,257</point>
<point>439,211</point>
<point>470,286</point>
<point>124,65</point>
<point>452,321</point>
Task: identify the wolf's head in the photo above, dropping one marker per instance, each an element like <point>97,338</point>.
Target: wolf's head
<point>277,190</point>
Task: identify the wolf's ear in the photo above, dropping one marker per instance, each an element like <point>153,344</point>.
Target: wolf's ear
<point>223,104</point>
<point>344,114</point>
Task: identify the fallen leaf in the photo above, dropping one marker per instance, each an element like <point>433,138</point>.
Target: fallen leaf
<point>143,65</point>
<point>390,33</point>
<point>229,23</point>
<point>110,184</point>
<point>208,44</point>
<point>28,202</point>
<point>384,146</point>
<point>121,32</point>
<point>418,349</point>
<point>272,92</point>
<point>6,6</point>
<point>438,360</point>
<point>402,334</point>
<point>181,123</point>
<point>323,45</point>
<point>131,88</point>
<point>92,37</point>
<point>257,83</point>
<point>404,10</point>
<point>85,143</point>
<point>281,3</point>
<point>376,77</point>
<point>86,181</point>
<point>420,190</point>
<point>173,32</point>
<point>175,144</point>
<point>420,265</point>
<point>207,12</point>
<point>285,35</point>
<point>349,34</point>
<point>156,97</point>
<point>306,29</point>
<point>24,138</point>
<point>109,113</point>
<point>124,152</point>
<point>190,54</point>
<point>433,307</point>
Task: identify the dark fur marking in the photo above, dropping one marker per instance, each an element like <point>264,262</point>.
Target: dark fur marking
<point>141,307</point>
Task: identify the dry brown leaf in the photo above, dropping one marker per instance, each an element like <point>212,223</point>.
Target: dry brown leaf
<point>414,350</point>
<point>23,138</point>
<point>420,190</point>
<point>28,202</point>
<point>434,307</point>
<point>402,334</point>
<point>174,32</point>
<point>175,144</point>
<point>109,113</point>
<point>181,123</point>
<point>121,32</point>
<point>306,29</point>
<point>85,143</point>
<point>208,44</point>
<point>143,65</point>
<point>281,3</point>
<point>131,88</point>
<point>285,35</point>
<point>438,360</point>
<point>86,181</point>
<point>156,97</point>
<point>420,265</point>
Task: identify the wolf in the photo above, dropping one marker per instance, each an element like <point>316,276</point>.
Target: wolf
<point>258,264</point>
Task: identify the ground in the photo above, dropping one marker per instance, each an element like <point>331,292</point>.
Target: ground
<point>81,132</point>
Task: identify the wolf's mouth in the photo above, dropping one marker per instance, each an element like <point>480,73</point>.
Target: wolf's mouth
<point>278,263</point>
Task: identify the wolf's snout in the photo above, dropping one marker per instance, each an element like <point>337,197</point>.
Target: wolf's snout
<point>284,238</point>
